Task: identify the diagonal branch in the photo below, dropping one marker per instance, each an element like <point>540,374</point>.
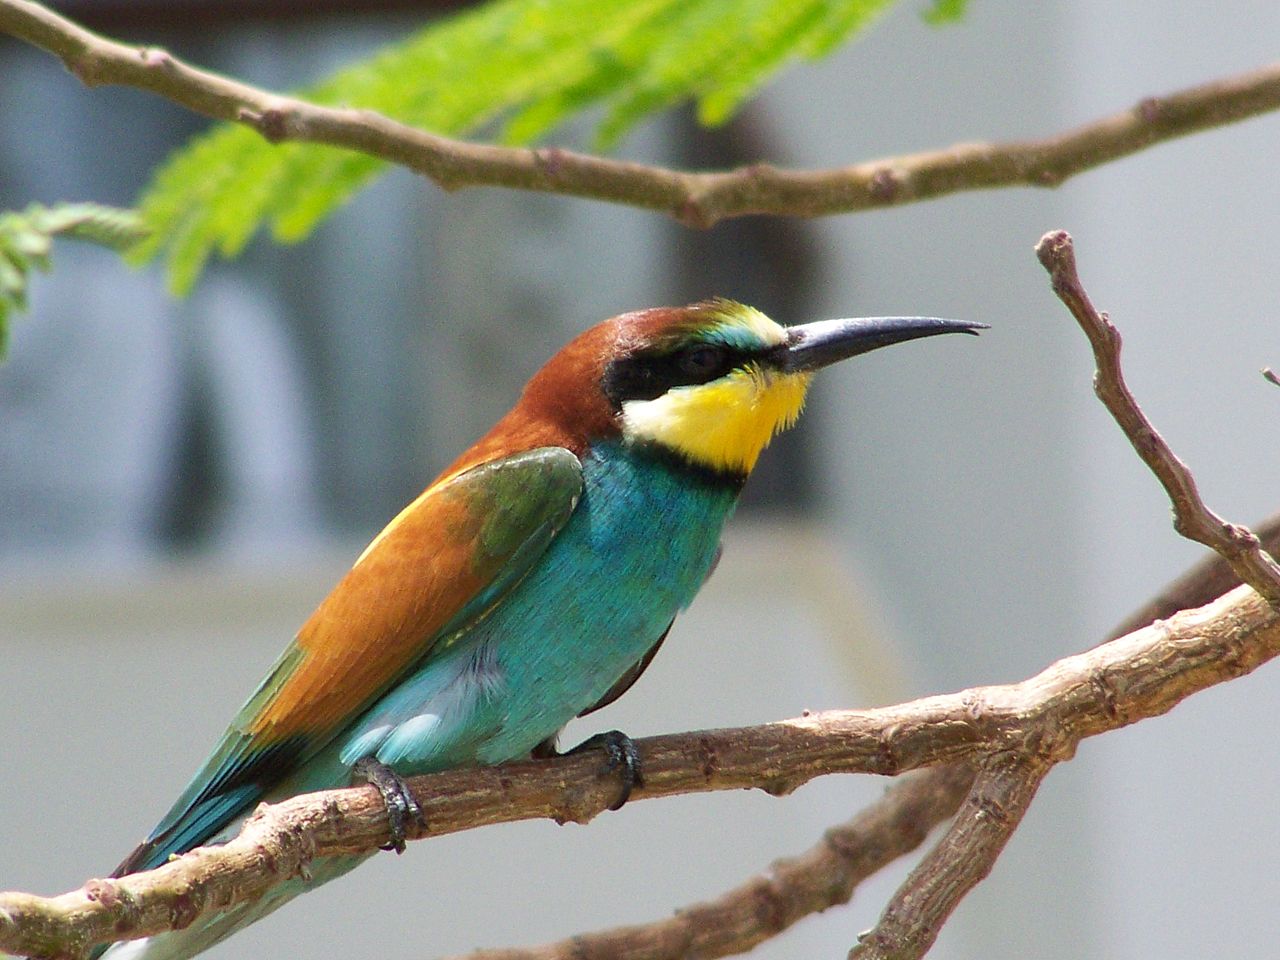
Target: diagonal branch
<point>1236,544</point>
<point>999,797</point>
<point>791,889</point>
<point>1006,785</point>
<point>694,198</point>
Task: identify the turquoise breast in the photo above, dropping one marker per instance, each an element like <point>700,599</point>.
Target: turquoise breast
<point>638,547</point>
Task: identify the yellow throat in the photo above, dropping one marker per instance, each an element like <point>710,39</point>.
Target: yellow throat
<point>723,425</point>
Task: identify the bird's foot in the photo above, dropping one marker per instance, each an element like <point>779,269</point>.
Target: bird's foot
<point>623,756</point>
<point>401,807</point>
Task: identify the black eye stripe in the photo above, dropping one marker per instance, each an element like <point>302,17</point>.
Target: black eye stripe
<point>648,376</point>
<point>699,361</point>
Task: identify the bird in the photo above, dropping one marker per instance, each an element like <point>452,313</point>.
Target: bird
<point>531,583</point>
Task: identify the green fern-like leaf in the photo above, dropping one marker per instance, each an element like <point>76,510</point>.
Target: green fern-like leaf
<point>945,11</point>
<point>810,28</point>
<point>529,65</point>
<point>26,242</point>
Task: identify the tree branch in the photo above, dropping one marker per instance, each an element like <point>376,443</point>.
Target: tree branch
<point>764,906</point>
<point>999,797</point>
<point>1236,544</point>
<point>1042,719</point>
<point>1006,785</point>
<point>693,198</point>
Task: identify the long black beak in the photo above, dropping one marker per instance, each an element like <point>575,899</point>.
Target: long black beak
<point>814,345</point>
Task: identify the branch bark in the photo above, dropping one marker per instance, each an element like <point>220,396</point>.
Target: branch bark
<point>693,198</point>
<point>1000,795</point>
<point>1006,786</point>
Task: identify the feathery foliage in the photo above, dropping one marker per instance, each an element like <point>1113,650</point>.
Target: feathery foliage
<point>528,65</point>
<point>945,11</point>
<point>26,240</point>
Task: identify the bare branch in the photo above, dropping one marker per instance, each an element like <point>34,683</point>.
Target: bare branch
<point>1007,784</point>
<point>961,860</point>
<point>1191,517</point>
<point>789,890</point>
<point>1140,675</point>
<point>693,198</point>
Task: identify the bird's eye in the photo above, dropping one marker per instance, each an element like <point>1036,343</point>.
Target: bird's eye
<point>701,361</point>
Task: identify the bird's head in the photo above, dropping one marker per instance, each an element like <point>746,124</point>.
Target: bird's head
<point>710,384</point>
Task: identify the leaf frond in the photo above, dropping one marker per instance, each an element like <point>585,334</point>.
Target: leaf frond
<point>26,245</point>
<point>521,67</point>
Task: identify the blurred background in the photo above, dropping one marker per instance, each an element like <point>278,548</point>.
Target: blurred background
<point>182,481</point>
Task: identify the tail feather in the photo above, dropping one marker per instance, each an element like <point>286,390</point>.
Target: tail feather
<point>196,828</point>
<point>216,820</point>
<point>207,931</point>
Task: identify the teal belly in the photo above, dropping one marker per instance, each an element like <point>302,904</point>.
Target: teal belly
<point>637,548</point>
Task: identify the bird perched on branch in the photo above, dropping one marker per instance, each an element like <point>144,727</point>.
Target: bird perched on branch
<point>530,584</point>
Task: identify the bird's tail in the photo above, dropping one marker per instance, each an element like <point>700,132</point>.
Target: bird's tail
<point>207,931</point>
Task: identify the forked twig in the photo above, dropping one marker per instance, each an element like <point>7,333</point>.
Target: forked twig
<point>1191,517</point>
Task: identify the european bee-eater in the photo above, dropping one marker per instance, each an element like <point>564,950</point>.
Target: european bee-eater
<point>530,584</point>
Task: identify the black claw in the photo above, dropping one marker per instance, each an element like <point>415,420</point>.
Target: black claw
<point>401,807</point>
<point>624,757</point>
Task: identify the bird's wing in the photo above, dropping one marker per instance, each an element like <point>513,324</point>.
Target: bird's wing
<point>628,679</point>
<point>436,569</point>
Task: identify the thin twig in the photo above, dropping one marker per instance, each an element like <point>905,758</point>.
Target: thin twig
<point>1191,517</point>
<point>693,198</point>
<point>1006,785</point>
